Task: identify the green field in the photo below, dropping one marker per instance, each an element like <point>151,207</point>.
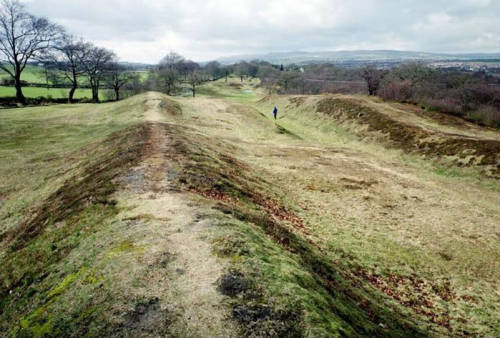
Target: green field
<point>32,74</point>
<point>56,93</point>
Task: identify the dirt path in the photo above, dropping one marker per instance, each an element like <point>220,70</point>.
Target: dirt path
<point>175,234</point>
<point>153,112</point>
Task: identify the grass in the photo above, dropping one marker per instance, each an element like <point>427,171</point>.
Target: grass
<point>36,74</point>
<point>319,229</point>
<point>234,90</point>
<point>31,74</point>
<point>37,147</point>
<point>56,93</point>
<point>398,222</point>
<point>289,285</point>
<point>59,162</point>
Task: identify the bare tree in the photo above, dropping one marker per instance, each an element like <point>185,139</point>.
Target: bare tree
<point>214,69</point>
<point>95,61</point>
<point>186,67</point>
<point>171,61</point>
<point>169,78</point>
<point>118,76</point>
<point>194,79</point>
<point>372,76</point>
<point>169,73</point>
<point>242,70</point>
<point>286,78</point>
<point>23,37</point>
<point>67,61</point>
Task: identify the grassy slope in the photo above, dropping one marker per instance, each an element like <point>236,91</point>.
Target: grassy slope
<point>421,231</point>
<point>319,233</point>
<point>45,152</point>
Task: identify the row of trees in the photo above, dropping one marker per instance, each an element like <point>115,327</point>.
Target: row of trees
<point>26,38</point>
<point>174,70</point>
<point>73,58</point>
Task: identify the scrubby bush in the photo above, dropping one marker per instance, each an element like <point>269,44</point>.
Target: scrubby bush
<point>396,90</point>
<point>487,115</point>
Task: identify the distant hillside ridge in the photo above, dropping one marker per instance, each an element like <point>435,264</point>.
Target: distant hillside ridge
<point>302,57</point>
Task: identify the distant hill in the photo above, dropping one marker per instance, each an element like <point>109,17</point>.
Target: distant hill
<point>361,56</point>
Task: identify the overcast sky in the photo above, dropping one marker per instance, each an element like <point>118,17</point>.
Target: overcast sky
<point>144,31</point>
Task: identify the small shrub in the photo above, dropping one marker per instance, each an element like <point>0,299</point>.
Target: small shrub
<point>445,105</point>
<point>396,90</point>
<point>487,115</point>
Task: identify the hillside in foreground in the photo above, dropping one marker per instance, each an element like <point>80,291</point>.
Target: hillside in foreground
<point>161,216</point>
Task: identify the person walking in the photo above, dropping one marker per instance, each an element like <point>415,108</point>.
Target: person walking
<point>275,112</point>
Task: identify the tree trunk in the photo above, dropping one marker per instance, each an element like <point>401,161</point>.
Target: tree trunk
<point>117,94</point>
<point>19,91</point>
<point>95,95</point>
<point>194,90</point>
<point>72,93</point>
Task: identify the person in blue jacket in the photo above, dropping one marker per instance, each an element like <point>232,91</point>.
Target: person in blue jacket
<point>275,112</point>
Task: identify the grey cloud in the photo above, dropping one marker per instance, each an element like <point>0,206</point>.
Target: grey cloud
<point>203,29</point>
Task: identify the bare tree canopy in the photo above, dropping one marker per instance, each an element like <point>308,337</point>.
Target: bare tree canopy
<point>66,60</point>
<point>23,37</point>
<point>372,76</point>
<point>95,61</point>
<point>214,69</point>
<point>171,60</point>
<point>195,78</point>
<point>118,76</point>
<point>170,71</point>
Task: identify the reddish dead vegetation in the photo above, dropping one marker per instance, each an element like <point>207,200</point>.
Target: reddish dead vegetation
<point>232,182</point>
<point>215,195</point>
<point>414,293</point>
<point>272,207</point>
<point>482,152</point>
<point>341,289</point>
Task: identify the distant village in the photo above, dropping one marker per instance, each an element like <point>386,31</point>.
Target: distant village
<point>490,67</point>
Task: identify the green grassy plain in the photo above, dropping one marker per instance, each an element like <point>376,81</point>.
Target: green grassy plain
<point>35,74</point>
<point>56,93</point>
<point>32,74</point>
